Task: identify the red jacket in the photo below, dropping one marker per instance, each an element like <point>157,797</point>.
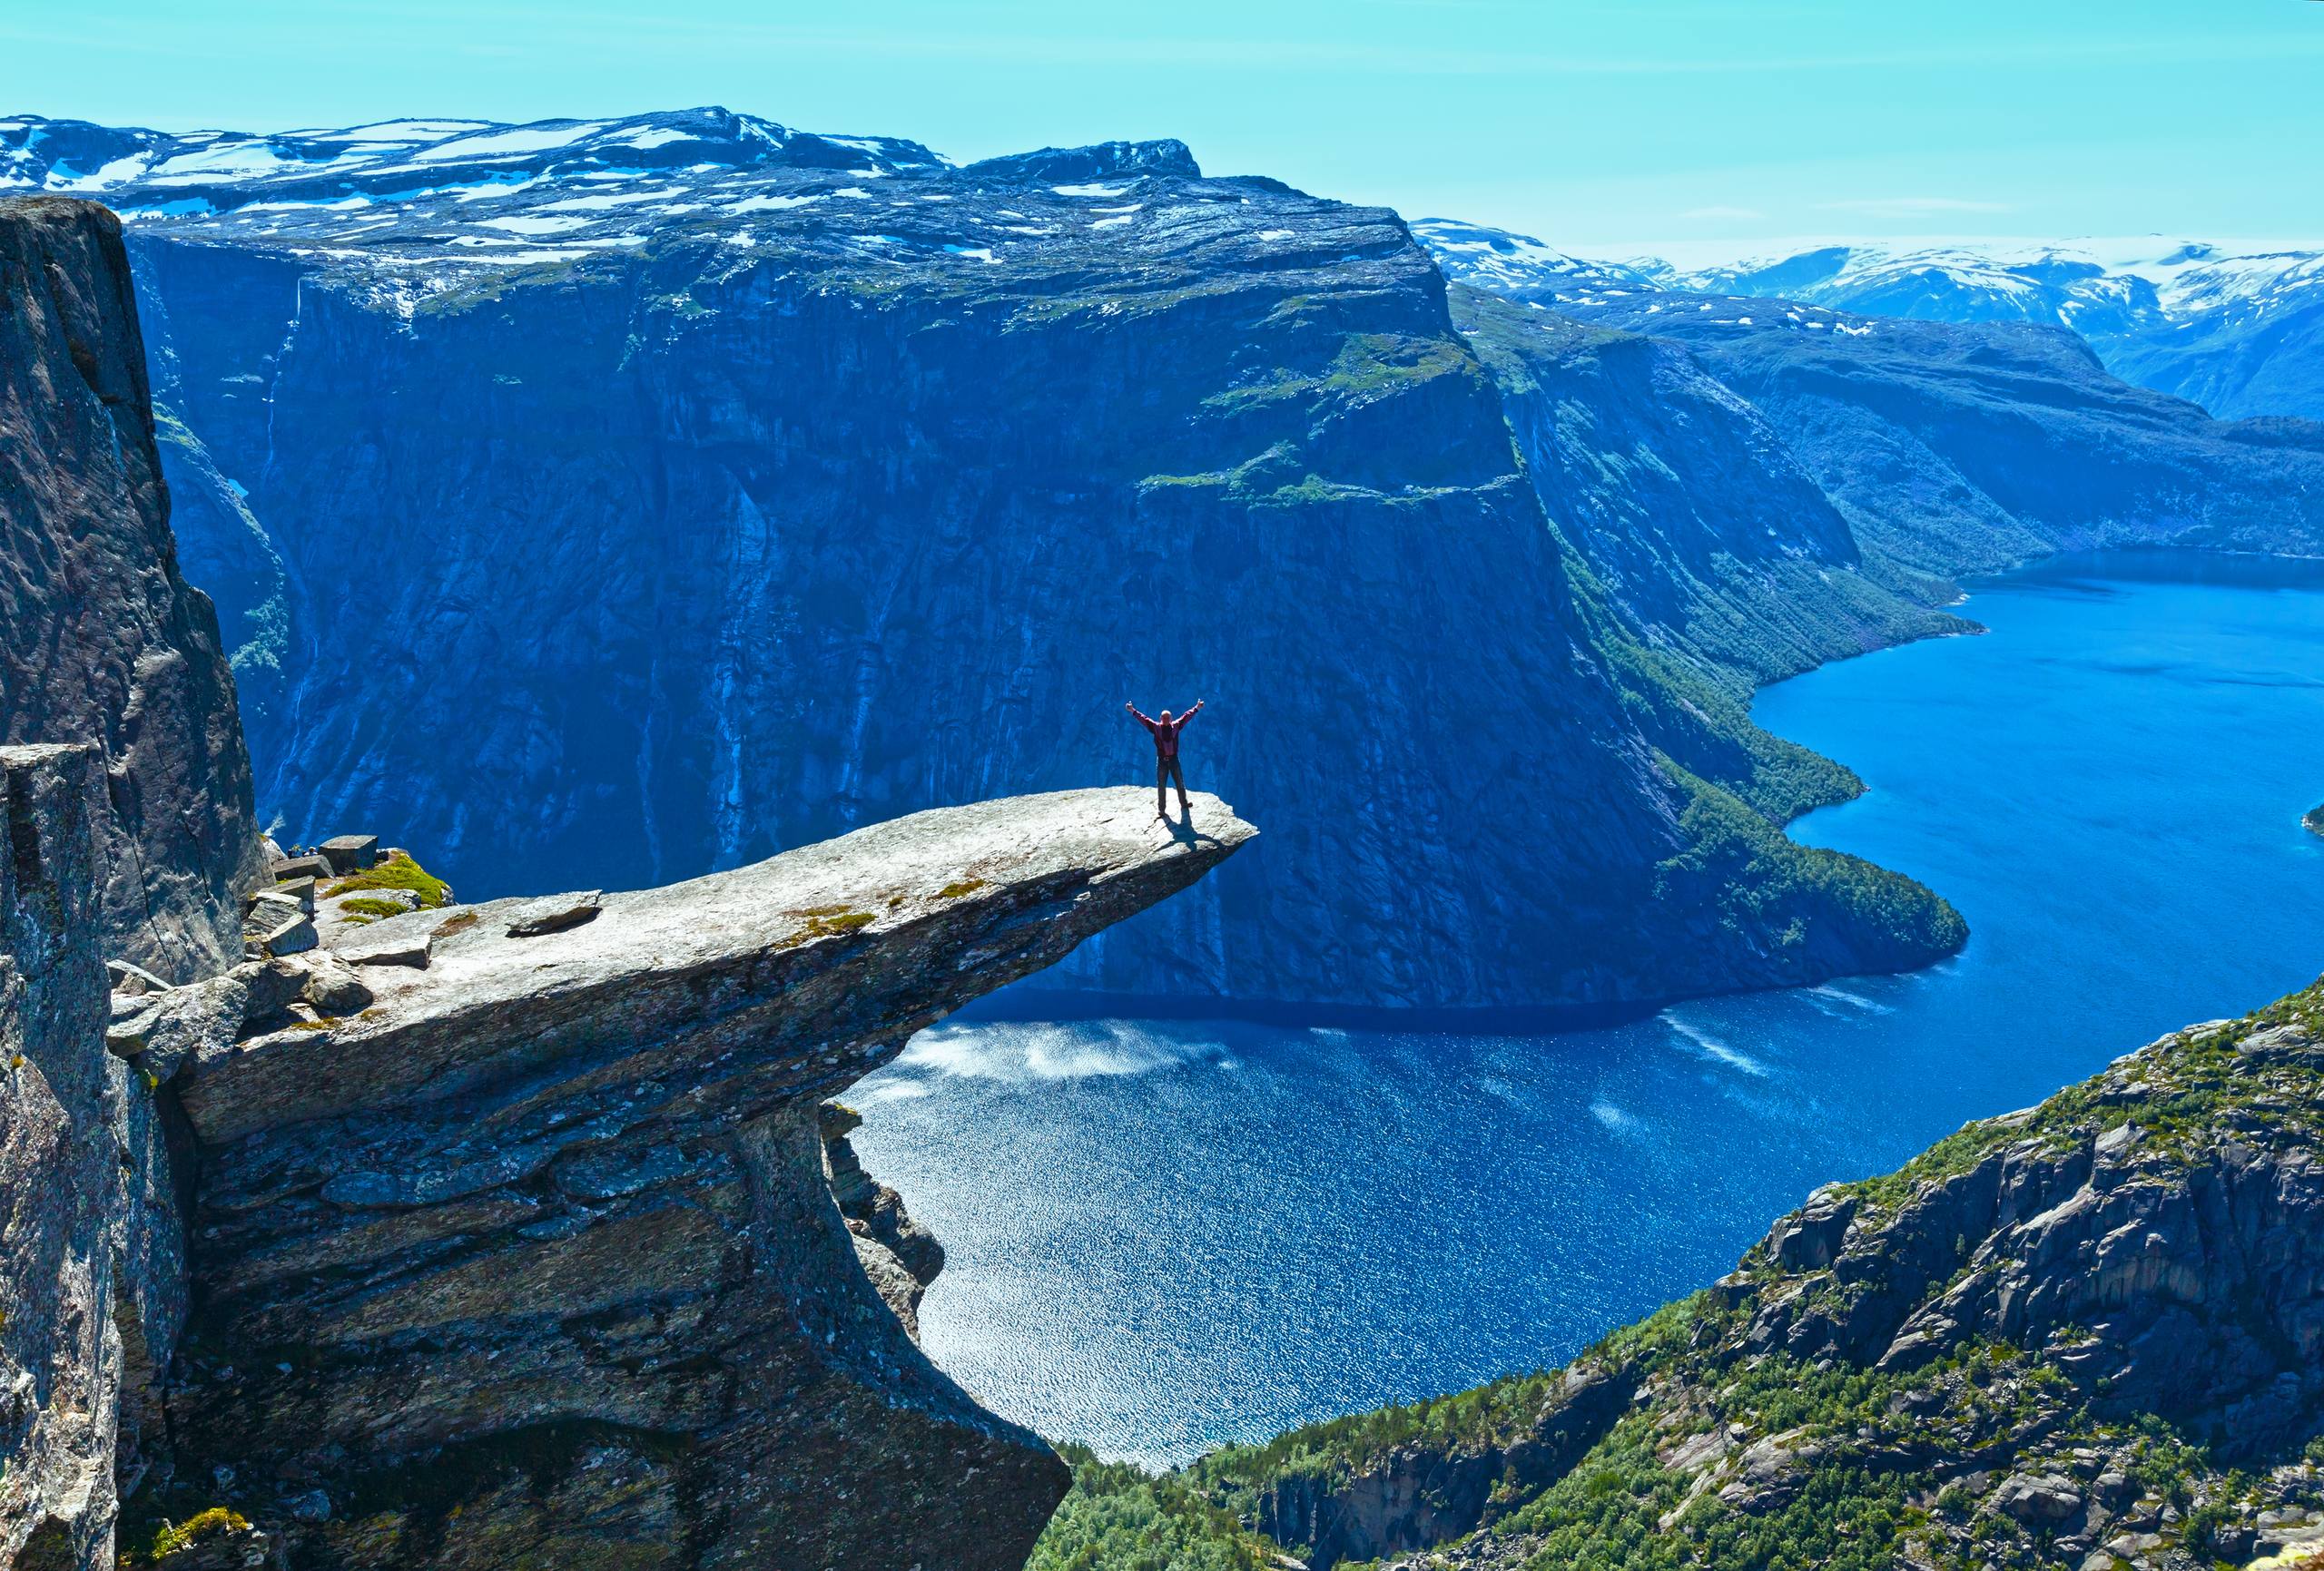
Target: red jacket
<point>1165,735</point>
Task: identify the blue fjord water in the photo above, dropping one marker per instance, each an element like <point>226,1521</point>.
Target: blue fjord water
<point>1164,1235</point>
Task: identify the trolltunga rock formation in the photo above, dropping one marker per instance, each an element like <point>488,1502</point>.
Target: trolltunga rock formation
<point>531,1256</point>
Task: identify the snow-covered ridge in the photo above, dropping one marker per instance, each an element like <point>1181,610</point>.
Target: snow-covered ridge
<point>2236,326</point>
<point>1508,263</point>
<point>2052,281</point>
<point>2013,280</point>
<point>394,157</point>
<point>464,194</point>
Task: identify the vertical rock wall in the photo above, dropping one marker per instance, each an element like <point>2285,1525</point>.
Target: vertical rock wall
<point>105,642</point>
<point>129,834</point>
<point>91,1259</point>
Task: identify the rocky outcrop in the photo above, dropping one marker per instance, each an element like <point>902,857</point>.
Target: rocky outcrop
<point>508,1230</point>
<point>104,640</point>
<point>92,1247</point>
<point>1426,1492</point>
<point>519,1229</point>
<point>899,1255</point>
<point>2087,1334</point>
<point>531,1250</point>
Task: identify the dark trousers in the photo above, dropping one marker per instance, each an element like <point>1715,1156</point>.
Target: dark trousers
<point>1166,769</point>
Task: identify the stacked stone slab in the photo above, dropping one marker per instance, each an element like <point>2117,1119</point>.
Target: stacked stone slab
<point>349,853</point>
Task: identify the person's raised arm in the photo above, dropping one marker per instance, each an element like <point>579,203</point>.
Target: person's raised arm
<point>1140,714</point>
<point>1190,713</point>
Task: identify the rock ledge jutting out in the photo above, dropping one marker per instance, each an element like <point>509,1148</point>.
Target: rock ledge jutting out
<point>533,1258</point>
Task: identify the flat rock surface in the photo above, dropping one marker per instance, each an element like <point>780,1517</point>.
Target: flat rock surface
<point>1027,871</point>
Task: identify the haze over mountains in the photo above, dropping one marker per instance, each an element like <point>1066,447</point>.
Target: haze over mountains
<point>610,500</point>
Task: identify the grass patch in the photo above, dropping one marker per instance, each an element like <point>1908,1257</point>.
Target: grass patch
<point>826,927</point>
<point>458,922</point>
<point>955,891</point>
<point>827,922</point>
<point>363,907</point>
<point>169,1537</point>
<point>1368,366</point>
<point>397,872</point>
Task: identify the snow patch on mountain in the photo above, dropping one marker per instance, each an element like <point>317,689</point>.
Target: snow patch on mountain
<point>2237,326</point>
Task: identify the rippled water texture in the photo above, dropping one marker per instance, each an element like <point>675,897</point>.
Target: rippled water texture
<point>1169,1234</point>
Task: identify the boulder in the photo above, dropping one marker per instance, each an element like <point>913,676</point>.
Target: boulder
<point>307,867</point>
<point>349,853</point>
<point>332,988</point>
<point>398,941</point>
<point>272,908</point>
<point>2038,1499</point>
<point>538,918</point>
<point>133,979</point>
<point>132,1027</point>
<point>293,934</point>
<point>269,988</point>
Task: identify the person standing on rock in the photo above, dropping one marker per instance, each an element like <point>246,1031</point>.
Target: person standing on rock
<point>1166,757</point>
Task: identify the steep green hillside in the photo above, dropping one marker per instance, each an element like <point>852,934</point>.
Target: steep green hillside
<point>2087,1334</point>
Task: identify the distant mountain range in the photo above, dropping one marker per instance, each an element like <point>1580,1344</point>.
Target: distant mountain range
<point>2236,330</point>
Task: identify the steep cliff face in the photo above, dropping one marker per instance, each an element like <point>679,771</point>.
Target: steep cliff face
<point>92,1244</point>
<point>2092,1329</point>
<point>705,495</point>
<point>104,640</point>
<point>1691,508</point>
<point>126,799</point>
<point>1953,448</point>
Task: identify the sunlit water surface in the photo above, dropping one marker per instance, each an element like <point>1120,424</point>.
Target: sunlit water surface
<point>1164,1235</point>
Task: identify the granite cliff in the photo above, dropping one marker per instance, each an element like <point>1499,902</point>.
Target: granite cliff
<point>707,486</point>
<point>2087,1334</point>
<point>104,640</point>
<point>92,1281</point>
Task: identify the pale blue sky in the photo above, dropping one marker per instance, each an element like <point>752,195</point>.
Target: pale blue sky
<point>1596,125</point>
